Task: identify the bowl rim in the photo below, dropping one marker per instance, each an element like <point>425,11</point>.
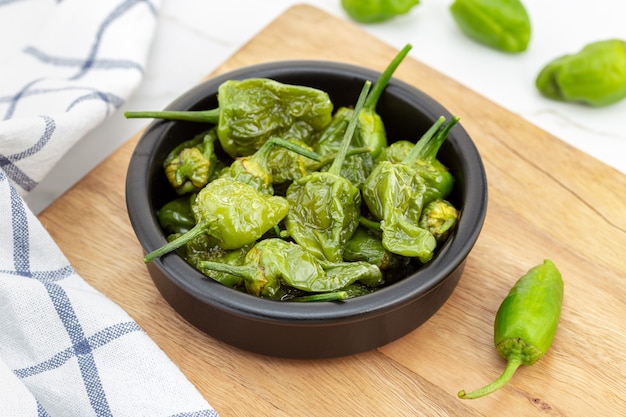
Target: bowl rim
<point>451,255</point>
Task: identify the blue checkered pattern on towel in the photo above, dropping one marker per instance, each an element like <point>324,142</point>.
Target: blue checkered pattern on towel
<point>65,349</point>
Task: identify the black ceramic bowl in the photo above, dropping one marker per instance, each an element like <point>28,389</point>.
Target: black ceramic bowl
<point>309,330</point>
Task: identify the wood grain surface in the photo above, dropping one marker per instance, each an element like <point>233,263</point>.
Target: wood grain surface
<point>546,200</point>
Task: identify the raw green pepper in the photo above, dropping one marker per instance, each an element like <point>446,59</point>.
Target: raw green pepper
<point>526,322</point>
<point>190,165</point>
<point>596,75</point>
<point>251,111</point>
<point>177,216</point>
<point>255,169</point>
<point>234,213</point>
<point>501,24</point>
<point>394,194</point>
<point>375,11</point>
<point>325,207</point>
<point>439,217</point>
<point>273,263</point>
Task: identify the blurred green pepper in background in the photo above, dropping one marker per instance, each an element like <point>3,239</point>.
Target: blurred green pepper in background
<point>596,75</point>
<point>500,24</point>
<point>375,11</point>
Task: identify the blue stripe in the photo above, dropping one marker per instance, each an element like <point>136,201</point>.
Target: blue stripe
<point>94,342</point>
<point>16,98</point>
<point>82,350</point>
<point>112,99</point>
<point>81,63</point>
<point>19,220</point>
<point>201,413</point>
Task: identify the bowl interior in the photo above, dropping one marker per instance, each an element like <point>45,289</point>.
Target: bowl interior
<point>407,113</point>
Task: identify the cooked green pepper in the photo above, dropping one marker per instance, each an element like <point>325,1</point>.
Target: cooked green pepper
<point>325,207</point>
<point>375,11</point>
<point>190,165</point>
<point>234,213</point>
<point>177,216</point>
<point>526,322</point>
<point>439,217</point>
<point>596,75</point>
<point>255,169</point>
<point>252,110</point>
<point>394,194</point>
<point>396,152</point>
<point>501,24</point>
<point>366,245</point>
<point>273,263</point>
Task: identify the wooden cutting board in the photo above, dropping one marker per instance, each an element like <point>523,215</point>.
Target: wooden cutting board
<point>546,200</point>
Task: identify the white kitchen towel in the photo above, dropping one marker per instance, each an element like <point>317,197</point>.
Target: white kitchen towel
<point>65,349</point>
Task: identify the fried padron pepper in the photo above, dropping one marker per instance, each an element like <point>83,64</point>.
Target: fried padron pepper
<point>234,213</point>
<point>251,111</point>
<point>325,207</point>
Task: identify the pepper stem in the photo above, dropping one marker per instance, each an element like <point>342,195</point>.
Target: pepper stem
<point>194,232</point>
<point>335,168</point>
<point>242,271</point>
<point>383,80</point>
<point>426,137</point>
<point>427,147</point>
<point>325,296</point>
<point>265,150</point>
<point>202,116</point>
<point>511,366</point>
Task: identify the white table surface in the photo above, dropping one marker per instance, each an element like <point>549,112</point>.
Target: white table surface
<point>195,37</point>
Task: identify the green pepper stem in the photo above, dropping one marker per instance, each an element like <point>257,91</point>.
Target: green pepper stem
<point>416,151</point>
<point>325,296</point>
<point>335,168</point>
<point>369,224</point>
<point>326,160</point>
<point>513,363</point>
<point>383,80</point>
<point>264,151</point>
<point>202,116</point>
<point>194,232</point>
<point>243,271</point>
<point>427,147</point>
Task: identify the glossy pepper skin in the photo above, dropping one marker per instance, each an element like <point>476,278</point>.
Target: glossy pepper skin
<point>595,76</point>
<point>190,165</point>
<point>251,111</point>
<point>375,11</point>
<point>500,24</point>
<point>526,322</point>
<point>394,194</point>
<point>273,263</point>
<point>176,216</point>
<point>366,245</point>
<point>234,213</point>
<point>255,169</point>
<point>439,217</point>
<point>325,207</point>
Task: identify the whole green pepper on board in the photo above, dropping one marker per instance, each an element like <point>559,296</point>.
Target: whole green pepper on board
<point>255,169</point>
<point>526,322</point>
<point>500,24</point>
<point>375,11</point>
<point>596,75</point>
<point>324,206</point>
<point>252,110</point>
<point>234,213</point>
<point>190,165</point>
